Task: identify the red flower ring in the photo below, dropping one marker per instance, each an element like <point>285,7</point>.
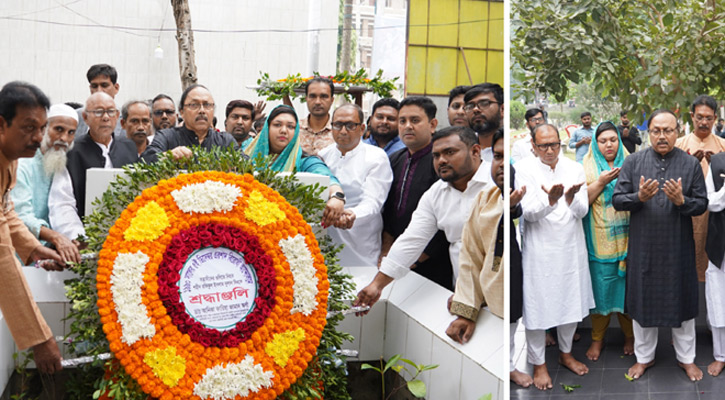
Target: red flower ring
<point>195,238</point>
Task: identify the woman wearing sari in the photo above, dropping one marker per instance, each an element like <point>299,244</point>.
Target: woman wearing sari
<point>607,234</point>
<point>280,138</point>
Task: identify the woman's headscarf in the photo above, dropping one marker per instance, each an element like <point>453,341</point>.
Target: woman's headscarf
<point>607,230</point>
<point>290,157</point>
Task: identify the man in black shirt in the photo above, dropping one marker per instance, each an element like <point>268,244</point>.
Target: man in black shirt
<point>197,109</point>
<point>630,134</point>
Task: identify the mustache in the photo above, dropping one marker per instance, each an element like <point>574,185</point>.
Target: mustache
<point>60,143</point>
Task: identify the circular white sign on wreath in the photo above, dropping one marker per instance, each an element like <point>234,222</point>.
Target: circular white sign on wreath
<point>218,287</point>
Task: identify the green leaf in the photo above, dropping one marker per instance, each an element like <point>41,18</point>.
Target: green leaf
<point>428,367</point>
<point>486,397</point>
<point>368,366</point>
<point>629,378</point>
<point>417,388</point>
<point>570,388</point>
<point>393,360</point>
<point>667,20</point>
<point>397,368</point>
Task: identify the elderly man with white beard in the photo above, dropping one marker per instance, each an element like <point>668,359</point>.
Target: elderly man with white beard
<point>35,176</point>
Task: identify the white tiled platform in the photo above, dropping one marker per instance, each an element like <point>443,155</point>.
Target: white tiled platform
<point>411,319</point>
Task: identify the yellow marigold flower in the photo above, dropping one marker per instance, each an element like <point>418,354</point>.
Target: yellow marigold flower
<point>262,211</point>
<point>148,224</point>
<point>166,365</point>
<point>283,345</point>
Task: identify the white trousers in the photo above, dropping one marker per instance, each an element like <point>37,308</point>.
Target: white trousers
<point>536,342</point>
<point>718,343</point>
<point>512,347</point>
<point>645,342</point>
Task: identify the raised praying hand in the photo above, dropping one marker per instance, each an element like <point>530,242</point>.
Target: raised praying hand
<point>515,196</point>
<point>673,191</point>
<point>569,195</point>
<point>555,192</point>
<point>647,189</point>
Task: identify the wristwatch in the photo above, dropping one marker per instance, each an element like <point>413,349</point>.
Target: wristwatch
<point>339,196</point>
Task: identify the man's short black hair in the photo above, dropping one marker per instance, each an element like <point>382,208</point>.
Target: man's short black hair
<point>532,112</point>
<point>20,94</point>
<point>161,96</point>
<point>102,70</point>
<point>74,105</point>
<point>457,91</point>
<point>498,135</point>
<point>466,134</point>
<point>240,104</point>
<point>320,79</point>
<point>425,103</point>
<point>124,109</point>
<point>538,127</point>
<point>623,113</point>
<point>360,114</point>
<point>186,93</point>
<point>585,114</point>
<point>704,100</point>
<point>483,88</point>
<point>663,111</point>
<point>386,102</point>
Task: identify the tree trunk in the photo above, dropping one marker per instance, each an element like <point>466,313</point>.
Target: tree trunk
<point>185,39</point>
<point>345,60</point>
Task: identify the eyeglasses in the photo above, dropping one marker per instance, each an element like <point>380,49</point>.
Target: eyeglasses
<point>546,146</point>
<point>537,120</point>
<point>664,132</point>
<point>99,113</point>
<point>160,113</point>
<point>481,104</point>
<point>700,118</point>
<point>350,126</point>
<point>197,106</point>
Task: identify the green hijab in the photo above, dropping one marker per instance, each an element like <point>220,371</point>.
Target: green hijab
<point>291,156</point>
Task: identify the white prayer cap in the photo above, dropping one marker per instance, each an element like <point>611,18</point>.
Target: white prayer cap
<point>62,110</point>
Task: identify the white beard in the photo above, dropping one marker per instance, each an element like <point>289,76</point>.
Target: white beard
<point>54,161</point>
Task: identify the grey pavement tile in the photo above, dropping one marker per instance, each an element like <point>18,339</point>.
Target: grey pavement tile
<point>619,396</point>
<point>574,395</point>
<point>591,383</point>
<point>674,396</point>
<point>712,384</point>
<point>613,357</point>
<point>668,379</point>
<point>614,382</point>
<point>518,392</point>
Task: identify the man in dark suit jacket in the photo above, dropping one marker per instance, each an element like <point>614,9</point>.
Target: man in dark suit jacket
<point>101,148</point>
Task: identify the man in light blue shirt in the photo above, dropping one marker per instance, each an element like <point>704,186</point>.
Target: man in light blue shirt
<point>384,126</point>
<point>35,175</point>
<point>582,137</point>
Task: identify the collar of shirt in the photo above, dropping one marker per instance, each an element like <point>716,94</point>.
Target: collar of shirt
<point>371,140</point>
<point>305,125</point>
<point>480,178</point>
<point>420,153</point>
<point>106,150</point>
<point>358,149</point>
<point>192,135</point>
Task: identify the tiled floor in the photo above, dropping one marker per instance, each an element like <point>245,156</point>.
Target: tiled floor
<point>606,381</point>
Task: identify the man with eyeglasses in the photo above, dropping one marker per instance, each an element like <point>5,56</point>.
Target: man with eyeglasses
<point>101,78</point>
<point>163,112</point>
<point>365,175</point>
<point>702,144</point>
<point>456,113</point>
<point>582,137</point>
<point>557,285</point>
<point>197,109</point>
<point>663,188</point>
<point>484,110</point>
<point>100,148</point>
<point>384,126</point>
<point>630,134</point>
<point>522,148</point>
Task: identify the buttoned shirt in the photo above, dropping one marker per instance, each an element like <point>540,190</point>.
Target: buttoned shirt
<point>442,207</point>
<point>365,175</point>
<point>21,314</point>
<point>30,194</point>
<point>576,137</point>
<point>312,142</point>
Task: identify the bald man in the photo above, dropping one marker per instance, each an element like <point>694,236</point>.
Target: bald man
<point>101,148</point>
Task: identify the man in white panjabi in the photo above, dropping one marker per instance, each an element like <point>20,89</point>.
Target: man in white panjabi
<point>557,284</point>
<point>715,273</point>
<point>365,175</point>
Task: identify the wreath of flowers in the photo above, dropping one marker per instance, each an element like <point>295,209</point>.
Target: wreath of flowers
<point>168,353</point>
<point>292,84</point>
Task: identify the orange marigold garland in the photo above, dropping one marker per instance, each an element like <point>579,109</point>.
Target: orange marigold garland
<point>240,347</point>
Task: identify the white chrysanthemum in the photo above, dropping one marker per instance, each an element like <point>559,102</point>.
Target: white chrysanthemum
<point>226,382</point>
<point>303,273</point>
<point>206,197</point>
<point>126,286</point>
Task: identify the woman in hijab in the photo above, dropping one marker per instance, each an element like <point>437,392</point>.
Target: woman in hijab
<point>607,234</point>
<point>280,139</point>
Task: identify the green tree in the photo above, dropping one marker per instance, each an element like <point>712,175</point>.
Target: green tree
<point>646,54</point>
<point>518,110</point>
